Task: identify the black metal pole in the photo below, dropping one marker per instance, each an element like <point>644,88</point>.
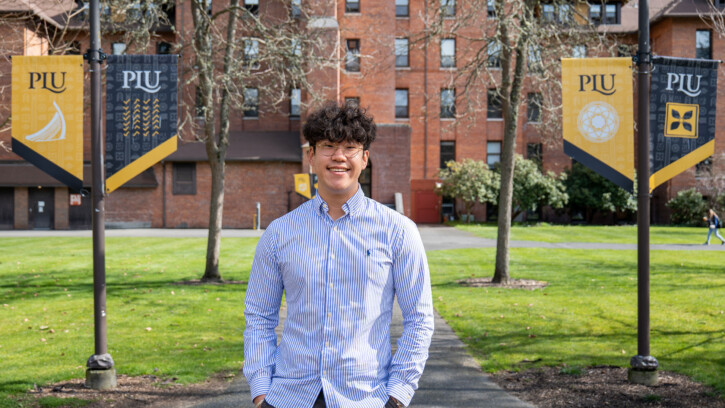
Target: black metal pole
<point>100,374</point>
<point>645,364</point>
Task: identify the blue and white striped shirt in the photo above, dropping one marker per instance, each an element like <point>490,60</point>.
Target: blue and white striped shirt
<point>340,279</point>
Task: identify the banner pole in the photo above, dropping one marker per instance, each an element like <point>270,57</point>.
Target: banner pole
<point>643,366</point>
<point>100,373</point>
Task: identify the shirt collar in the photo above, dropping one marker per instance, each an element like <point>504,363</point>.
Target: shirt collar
<point>351,207</point>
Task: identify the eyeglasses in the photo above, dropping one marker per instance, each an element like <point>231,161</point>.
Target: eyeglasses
<point>328,149</point>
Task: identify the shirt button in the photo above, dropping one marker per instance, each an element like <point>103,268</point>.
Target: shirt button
<point>334,228</point>
<point>331,285</point>
<point>327,344</point>
<point>329,314</point>
<point>324,372</point>
<point>332,256</point>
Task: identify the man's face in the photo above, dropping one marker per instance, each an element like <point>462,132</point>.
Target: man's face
<point>338,167</point>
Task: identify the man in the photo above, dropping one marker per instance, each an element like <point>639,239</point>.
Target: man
<point>340,259</point>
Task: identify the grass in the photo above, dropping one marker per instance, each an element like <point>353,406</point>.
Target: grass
<point>624,234</point>
<point>588,313</point>
<point>154,325</point>
<point>586,316</point>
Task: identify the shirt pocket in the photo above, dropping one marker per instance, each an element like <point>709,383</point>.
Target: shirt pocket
<point>378,268</point>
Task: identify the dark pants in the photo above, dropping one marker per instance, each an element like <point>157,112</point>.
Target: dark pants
<point>320,403</point>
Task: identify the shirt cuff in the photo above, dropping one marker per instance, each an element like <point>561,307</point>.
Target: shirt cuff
<point>401,392</point>
<point>259,386</point>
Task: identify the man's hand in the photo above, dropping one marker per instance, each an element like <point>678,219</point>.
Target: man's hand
<point>396,403</point>
<point>258,400</point>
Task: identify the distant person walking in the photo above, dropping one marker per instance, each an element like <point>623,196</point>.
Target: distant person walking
<point>713,223</point>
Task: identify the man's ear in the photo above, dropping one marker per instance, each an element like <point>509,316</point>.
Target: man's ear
<point>365,157</point>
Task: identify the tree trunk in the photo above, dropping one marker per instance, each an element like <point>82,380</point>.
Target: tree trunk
<point>211,273</point>
<point>216,145</point>
<point>510,97</point>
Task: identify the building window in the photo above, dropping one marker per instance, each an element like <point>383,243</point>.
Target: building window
<point>401,103</point>
<point>533,107</point>
<point>533,153</point>
<point>491,6</point>
<point>494,108</point>
<point>448,153</point>
<point>547,13</point>
<point>493,54</point>
<point>352,101</point>
<point>296,8</point>
<point>448,103</point>
<point>704,168</point>
<point>579,51</point>
<point>252,6</point>
<point>251,103</point>
<point>448,8</point>
<point>295,100</point>
<point>401,52</point>
<point>251,53</point>
<point>352,6</point>
<point>352,56</point>
<point>184,178</point>
<point>118,48</point>
<point>401,8</point>
<point>703,44</point>
<point>207,4</point>
<point>534,57</point>
<point>493,153</point>
<point>163,48</point>
<point>199,105</point>
<point>448,53</point>
<point>560,13</point>
<point>609,14</point>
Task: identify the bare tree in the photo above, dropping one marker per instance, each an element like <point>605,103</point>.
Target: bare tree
<point>513,47</point>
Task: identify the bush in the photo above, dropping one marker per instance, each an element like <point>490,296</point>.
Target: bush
<point>688,208</point>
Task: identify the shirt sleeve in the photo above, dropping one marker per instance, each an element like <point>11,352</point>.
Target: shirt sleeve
<point>261,312</point>
<point>412,286</point>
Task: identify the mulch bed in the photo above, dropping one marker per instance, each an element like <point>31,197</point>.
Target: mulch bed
<point>595,387</point>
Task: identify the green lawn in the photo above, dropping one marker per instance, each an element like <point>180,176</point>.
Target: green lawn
<point>155,326</point>
<point>587,314</point>
<point>625,234</point>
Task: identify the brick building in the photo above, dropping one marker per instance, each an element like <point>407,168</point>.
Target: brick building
<point>403,84</point>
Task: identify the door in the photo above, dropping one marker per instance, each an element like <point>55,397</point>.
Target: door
<point>427,207</point>
<point>7,207</point>
<point>40,208</point>
<point>79,216</point>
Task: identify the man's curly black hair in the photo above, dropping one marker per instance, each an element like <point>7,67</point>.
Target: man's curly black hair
<point>340,123</point>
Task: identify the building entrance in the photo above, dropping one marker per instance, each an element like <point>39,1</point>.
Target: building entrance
<point>41,208</point>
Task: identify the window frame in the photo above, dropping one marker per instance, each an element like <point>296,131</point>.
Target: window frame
<point>251,111</point>
<point>448,8</point>
<point>533,99</point>
<point>448,61</point>
<point>448,111</point>
<point>251,59</point>
<point>399,63</point>
<point>352,55</point>
<point>252,6</point>
<point>183,187</point>
<point>493,54</point>
<point>450,150</point>
<point>492,154</point>
<point>399,114</point>
<point>349,7</point>
<point>400,7</point>
<point>491,107</point>
<point>295,113</point>
<point>296,8</point>
<point>117,45</point>
<point>698,49</point>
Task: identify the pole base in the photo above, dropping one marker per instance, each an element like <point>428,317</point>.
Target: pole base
<point>101,379</point>
<point>649,378</point>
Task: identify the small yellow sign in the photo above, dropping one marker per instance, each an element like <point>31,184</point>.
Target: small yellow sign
<point>681,120</point>
<point>306,185</point>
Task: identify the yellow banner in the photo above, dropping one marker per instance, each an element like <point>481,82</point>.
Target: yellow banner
<point>598,115</point>
<point>47,115</point>
<point>306,185</point>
